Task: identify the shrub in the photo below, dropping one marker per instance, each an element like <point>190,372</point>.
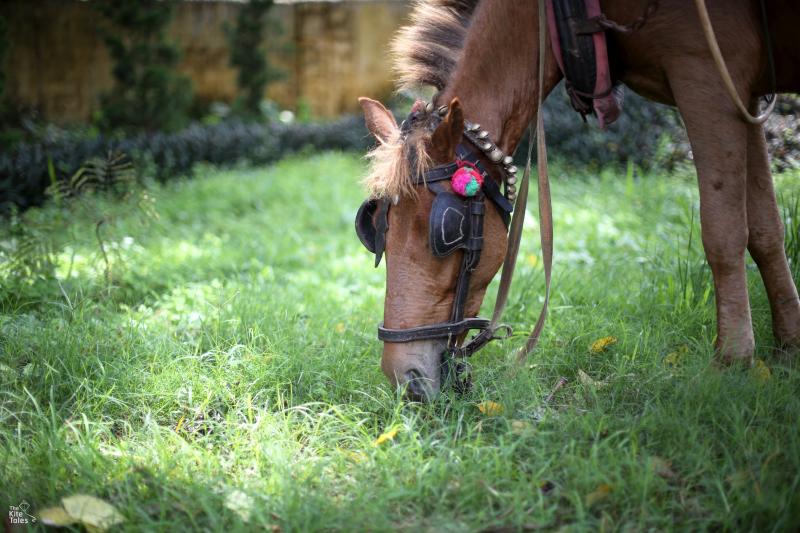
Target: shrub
<point>249,57</point>
<point>4,45</point>
<point>783,140</point>
<point>27,171</point>
<point>646,133</point>
<point>148,93</point>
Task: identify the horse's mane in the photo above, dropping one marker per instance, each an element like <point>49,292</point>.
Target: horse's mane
<point>426,51</point>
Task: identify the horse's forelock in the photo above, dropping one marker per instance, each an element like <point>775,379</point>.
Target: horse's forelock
<point>393,165</point>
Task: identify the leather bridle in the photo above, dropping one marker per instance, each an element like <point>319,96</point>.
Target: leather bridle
<point>473,210</point>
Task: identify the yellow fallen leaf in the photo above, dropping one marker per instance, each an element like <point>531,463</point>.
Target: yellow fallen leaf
<point>179,425</point>
<point>490,408</point>
<point>672,359</point>
<point>676,358</point>
<point>587,380</point>
<point>600,345</point>
<point>56,517</point>
<point>357,457</point>
<point>600,493</point>
<point>761,371</point>
<point>387,436</point>
<point>92,511</point>
<point>340,328</point>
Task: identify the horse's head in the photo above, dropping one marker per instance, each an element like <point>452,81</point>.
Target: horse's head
<point>424,258</point>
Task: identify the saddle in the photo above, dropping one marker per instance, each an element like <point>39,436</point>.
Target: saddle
<point>578,40</point>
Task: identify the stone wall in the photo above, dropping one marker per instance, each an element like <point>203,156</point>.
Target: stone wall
<point>331,53</point>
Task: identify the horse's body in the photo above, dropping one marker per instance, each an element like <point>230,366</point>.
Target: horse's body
<point>668,61</point>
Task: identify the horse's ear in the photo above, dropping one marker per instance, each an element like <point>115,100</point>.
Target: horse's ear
<point>380,121</point>
<point>448,134</point>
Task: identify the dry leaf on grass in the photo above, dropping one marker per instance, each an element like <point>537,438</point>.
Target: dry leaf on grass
<point>600,493</point>
<point>490,408</point>
<point>386,436</point>
<point>56,517</point>
<point>356,457</point>
<point>600,345</point>
<point>587,380</point>
<point>676,358</point>
<point>761,371</point>
<point>92,512</point>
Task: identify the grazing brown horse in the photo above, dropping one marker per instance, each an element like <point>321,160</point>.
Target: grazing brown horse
<point>482,57</point>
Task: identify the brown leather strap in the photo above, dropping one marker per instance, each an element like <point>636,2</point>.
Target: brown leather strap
<point>545,215</point>
<point>545,205</point>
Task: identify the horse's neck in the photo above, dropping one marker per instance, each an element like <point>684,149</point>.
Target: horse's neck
<point>496,78</point>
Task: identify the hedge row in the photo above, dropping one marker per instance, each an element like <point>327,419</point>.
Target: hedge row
<point>646,133</point>
<point>27,171</point>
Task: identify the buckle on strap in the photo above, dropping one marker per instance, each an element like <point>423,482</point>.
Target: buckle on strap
<point>482,339</point>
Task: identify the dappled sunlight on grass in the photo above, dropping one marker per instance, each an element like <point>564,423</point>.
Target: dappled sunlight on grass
<point>228,377</point>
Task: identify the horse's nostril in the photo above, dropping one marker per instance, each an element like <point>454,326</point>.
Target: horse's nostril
<point>415,388</point>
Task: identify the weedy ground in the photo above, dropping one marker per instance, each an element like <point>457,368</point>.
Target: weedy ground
<point>228,377</point>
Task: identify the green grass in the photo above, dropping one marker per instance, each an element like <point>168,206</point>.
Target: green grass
<point>235,358</point>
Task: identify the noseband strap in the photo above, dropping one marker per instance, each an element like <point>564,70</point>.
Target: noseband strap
<point>433,331</point>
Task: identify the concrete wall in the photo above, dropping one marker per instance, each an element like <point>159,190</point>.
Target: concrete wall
<point>331,53</point>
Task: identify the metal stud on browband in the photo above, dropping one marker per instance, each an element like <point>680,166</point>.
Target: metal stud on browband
<point>480,138</point>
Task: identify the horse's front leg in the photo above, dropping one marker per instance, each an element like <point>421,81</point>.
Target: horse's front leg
<point>719,144</point>
<point>766,242</point>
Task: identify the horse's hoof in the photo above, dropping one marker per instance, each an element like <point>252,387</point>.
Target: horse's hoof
<point>730,355</point>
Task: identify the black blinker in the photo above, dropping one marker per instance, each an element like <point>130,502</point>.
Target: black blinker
<point>449,224</point>
<point>372,222</point>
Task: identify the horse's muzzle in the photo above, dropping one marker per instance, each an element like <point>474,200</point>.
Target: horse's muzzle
<point>415,366</point>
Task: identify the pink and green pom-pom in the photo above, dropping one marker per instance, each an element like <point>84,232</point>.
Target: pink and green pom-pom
<point>466,181</point>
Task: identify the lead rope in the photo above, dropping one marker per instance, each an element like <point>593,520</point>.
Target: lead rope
<point>545,215</point>
<point>545,205</point>
<point>708,30</point>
